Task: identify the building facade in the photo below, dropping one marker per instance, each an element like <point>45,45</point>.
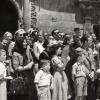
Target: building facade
<point>47,14</point>
<point>14,14</point>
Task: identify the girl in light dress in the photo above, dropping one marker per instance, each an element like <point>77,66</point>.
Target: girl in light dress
<point>3,77</point>
<point>60,84</point>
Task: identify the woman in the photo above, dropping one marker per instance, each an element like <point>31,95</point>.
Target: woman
<point>37,50</point>
<point>45,55</point>
<point>22,64</point>
<point>60,89</point>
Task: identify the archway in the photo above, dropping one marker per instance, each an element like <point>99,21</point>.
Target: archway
<point>8,17</point>
<point>96,29</point>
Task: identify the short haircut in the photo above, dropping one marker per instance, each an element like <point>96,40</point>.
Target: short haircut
<point>44,63</point>
<point>45,44</point>
<point>2,50</point>
<point>76,29</point>
<point>84,38</point>
<point>53,32</point>
<point>66,40</point>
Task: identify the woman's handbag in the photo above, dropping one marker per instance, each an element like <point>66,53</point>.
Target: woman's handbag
<point>17,86</point>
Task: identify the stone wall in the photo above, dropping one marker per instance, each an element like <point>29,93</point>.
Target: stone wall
<point>60,14</point>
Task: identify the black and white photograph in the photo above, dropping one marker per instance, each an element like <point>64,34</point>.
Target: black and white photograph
<point>49,49</point>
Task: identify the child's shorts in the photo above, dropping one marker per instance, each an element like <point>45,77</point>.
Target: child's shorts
<point>81,86</point>
<point>44,93</point>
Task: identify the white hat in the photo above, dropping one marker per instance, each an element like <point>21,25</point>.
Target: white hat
<point>22,31</point>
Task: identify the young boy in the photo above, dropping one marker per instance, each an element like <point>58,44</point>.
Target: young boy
<point>79,74</point>
<point>3,77</point>
<point>44,81</point>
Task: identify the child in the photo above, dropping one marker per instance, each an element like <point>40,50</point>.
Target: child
<point>3,77</point>
<point>79,74</point>
<point>44,81</point>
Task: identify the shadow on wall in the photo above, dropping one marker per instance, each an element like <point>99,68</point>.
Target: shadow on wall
<point>68,6</point>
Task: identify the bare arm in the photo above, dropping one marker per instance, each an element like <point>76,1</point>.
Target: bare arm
<point>35,51</point>
<point>37,87</point>
<point>18,67</point>
<point>27,67</point>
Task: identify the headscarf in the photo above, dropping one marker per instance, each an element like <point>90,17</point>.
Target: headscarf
<point>19,49</point>
<point>19,45</point>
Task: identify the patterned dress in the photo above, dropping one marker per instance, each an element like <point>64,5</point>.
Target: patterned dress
<point>60,88</point>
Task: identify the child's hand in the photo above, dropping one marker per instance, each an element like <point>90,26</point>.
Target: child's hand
<point>20,68</point>
<point>91,75</point>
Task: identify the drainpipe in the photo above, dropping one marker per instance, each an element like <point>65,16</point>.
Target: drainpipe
<point>26,14</point>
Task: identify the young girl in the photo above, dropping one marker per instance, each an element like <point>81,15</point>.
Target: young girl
<point>44,81</point>
<point>3,77</point>
<point>60,88</point>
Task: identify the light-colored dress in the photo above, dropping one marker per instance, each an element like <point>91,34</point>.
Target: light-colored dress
<point>3,89</point>
<point>60,86</point>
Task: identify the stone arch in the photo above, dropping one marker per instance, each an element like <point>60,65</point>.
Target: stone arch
<point>9,16</point>
<point>16,6</point>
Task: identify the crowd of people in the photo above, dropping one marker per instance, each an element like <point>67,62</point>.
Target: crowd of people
<point>35,65</point>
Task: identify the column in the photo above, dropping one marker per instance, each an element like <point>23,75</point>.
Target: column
<point>26,14</point>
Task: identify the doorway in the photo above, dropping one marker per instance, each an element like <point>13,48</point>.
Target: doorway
<point>8,17</point>
<point>96,29</point>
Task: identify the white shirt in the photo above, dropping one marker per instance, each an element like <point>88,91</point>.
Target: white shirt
<point>43,78</point>
<point>79,70</point>
<point>39,46</point>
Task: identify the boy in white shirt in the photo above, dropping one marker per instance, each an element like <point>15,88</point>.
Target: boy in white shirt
<point>44,81</point>
<point>79,75</point>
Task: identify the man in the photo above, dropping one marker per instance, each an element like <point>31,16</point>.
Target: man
<point>77,33</point>
<point>55,33</point>
<point>90,65</point>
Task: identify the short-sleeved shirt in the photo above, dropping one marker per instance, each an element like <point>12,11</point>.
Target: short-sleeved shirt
<point>43,78</point>
<point>79,70</point>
